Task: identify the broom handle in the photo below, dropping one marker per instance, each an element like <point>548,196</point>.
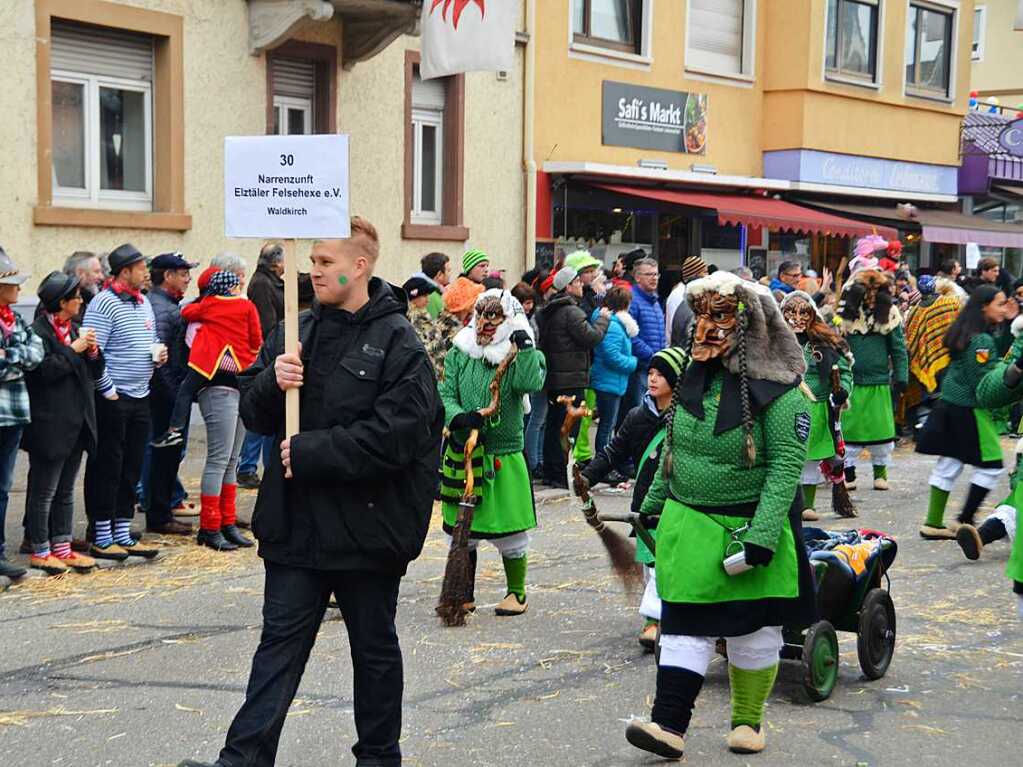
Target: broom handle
<point>470,478</point>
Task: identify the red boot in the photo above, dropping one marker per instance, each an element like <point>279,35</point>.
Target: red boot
<point>209,525</point>
<point>229,517</point>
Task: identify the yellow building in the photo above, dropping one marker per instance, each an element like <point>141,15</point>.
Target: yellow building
<point>122,107</point>
<point>831,103</point>
<point>997,52</point>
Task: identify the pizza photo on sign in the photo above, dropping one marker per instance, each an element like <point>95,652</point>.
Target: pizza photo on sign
<point>696,123</point>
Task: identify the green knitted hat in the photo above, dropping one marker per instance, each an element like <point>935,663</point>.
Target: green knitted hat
<point>669,363</point>
<point>473,258</point>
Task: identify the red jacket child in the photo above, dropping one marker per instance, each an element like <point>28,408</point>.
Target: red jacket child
<point>230,326</point>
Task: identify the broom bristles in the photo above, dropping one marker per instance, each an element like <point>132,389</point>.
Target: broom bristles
<point>622,554</point>
<point>841,503</point>
<point>450,606</point>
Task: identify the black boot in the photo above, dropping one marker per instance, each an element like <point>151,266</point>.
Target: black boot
<point>974,498</point>
<point>215,540</point>
<point>10,570</point>
<point>992,530</point>
<point>233,535</point>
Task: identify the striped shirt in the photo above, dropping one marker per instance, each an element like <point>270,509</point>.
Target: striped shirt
<point>125,332</point>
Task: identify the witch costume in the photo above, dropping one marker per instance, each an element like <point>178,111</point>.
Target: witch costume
<point>823,349</point>
<point>872,326</point>
<point>728,484</point>
<point>505,510</point>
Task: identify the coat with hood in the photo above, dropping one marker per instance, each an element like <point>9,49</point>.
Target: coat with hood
<point>366,457</point>
<point>613,360</point>
<point>566,339</point>
<point>646,310</point>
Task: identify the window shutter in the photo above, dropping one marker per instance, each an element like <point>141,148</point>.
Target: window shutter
<point>428,94</point>
<point>101,51</point>
<point>294,77</point>
<point>716,35</point>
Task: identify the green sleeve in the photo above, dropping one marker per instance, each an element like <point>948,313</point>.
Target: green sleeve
<point>900,359</point>
<point>845,374</point>
<point>453,364</point>
<point>992,392</point>
<point>435,304</point>
<point>785,452</point>
<point>528,372</point>
<point>975,370</point>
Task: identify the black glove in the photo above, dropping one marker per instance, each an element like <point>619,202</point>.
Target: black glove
<point>1013,373</point>
<point>900,388</point>
<point>839,397</point>
<point>470,419</point>
<point>757,555</point>
<point>521,339</point>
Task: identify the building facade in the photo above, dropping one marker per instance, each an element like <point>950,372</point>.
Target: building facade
<point>124,105</point>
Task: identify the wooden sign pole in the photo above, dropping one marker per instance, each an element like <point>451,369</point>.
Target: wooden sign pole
<point>291,397</point>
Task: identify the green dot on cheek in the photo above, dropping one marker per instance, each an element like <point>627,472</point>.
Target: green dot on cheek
<point>342,280</point>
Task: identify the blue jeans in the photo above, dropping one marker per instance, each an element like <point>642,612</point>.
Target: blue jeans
<point>10,439</point>
<point>607,406</point>
<point>254,446</point>
<point>535,424</point>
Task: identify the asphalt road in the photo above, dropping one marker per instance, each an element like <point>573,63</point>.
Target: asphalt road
<point>145,666</point>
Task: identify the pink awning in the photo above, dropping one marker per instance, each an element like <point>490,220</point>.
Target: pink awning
<point>991,239</point>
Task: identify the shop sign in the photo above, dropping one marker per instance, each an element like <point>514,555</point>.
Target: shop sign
<point>1011,138</point>
<point>653,118</point>
<point>809,166</point>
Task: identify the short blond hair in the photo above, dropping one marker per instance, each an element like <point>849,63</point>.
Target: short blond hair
<point>366,234</point>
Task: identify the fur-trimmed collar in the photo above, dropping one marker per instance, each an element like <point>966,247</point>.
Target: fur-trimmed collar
<point>465,339</point>
<point>630,324</point>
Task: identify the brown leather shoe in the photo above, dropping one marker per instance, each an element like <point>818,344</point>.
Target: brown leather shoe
<point>511,605</point>
<point>79,562</point>
<point>745,740</point>
<point>48,564</point>
<point>113,551</point>
<point>171,528</point>
<point>139,549</point>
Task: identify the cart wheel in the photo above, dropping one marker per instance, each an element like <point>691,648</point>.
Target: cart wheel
<point>820,661</point>
<point>875,643</point>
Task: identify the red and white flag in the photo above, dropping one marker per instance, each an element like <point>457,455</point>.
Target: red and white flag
<point>467,36</point>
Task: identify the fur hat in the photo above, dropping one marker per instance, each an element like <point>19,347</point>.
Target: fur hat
<point>882,318</point>
<point>806,297</point>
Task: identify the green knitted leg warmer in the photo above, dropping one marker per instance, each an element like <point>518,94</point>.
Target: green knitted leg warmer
<point>880,472</point>
<point>809,496</point>
<point>515,575</point>
<point>582,450</point>
<point>749,693</point>
<point>936,507</point>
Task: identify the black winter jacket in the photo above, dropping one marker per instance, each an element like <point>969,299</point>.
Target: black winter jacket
<point>266,291</point>
<point>566,339</point>
<point>62,390</point>
<point>366,458</point>
<point>627,447</point>
<point>170,329</point>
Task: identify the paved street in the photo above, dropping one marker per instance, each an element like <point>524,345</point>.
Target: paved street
<point>144,666</point>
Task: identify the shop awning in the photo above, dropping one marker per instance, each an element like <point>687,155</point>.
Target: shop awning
<point>734,209</point>
<point>946,226</point>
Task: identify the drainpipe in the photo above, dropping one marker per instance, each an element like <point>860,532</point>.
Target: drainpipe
<point>529,117</point>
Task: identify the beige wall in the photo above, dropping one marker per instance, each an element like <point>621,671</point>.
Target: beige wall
<point>1000,73</point>
<point>225,94</point>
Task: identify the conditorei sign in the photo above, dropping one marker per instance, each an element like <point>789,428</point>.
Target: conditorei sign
<point>813,167</point>
<point>653,118</point>
<point>1011,138</point>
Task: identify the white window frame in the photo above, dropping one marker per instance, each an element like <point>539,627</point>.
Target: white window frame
<point>283,103</point>
<point>749,46</point>
<point>849,78</point>
<point>979,32</point>
<point>433,118</point>
<point>92,195</point>
<point>601,55</point>
<point>941,6</point>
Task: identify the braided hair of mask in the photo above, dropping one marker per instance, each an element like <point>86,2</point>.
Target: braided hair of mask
<point>676,391</point>
<point>749,446</point>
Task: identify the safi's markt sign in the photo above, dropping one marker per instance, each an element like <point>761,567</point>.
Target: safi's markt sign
<point>1011,138</point>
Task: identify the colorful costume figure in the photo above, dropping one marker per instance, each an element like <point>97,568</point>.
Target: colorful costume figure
<point>728,483</point>
<point>505,511</point>
<point>823,349</point>
<point>1002,386</point>
<point>872,326</point>
<point>638,442</point>
<point>959,430</point>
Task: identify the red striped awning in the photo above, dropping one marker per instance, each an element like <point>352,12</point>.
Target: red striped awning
<point>776,215</point>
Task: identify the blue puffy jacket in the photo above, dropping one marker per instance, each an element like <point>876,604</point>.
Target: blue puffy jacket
<point>647,312</point>
<point>613,360</point>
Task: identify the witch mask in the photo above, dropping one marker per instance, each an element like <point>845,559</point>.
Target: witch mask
<point>489,317</point>
<point>798,314</point>
<point>716,320</point>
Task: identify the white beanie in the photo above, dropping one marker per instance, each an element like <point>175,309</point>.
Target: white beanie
<point>564,276</point>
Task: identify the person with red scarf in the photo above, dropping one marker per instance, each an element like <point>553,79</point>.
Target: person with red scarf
<point>63,427</point>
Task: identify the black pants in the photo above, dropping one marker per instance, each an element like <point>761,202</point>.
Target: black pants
<point>50,495</point>
<point>164,463</point>
<point>294,602</point>
<point>114,468</point>
<point>182,404</point>
<point>555,467</point>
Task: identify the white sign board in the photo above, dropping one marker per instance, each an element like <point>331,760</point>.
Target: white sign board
<point>972,255</point>
<point>287,187</point>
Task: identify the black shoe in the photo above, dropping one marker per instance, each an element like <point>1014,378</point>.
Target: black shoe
<point>170,438</point>
<point>215,540</point>
<point>969,541</point>
<point>249,480</point>
<point>614,478</point>
<point>233,535</point>
<point>10,570</point>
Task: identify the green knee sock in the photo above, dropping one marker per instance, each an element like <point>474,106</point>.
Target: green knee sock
<point>936,507</point>
<point>880,472</point>
<point>515,574</point>
<point>809,496</point>
<point>749,693</point>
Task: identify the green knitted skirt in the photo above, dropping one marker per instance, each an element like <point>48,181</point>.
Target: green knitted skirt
<point>507,504</point>
<point>870,419</point>
<point>820,445</point>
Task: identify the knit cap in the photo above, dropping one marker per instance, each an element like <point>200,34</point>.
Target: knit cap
<point>462,295</point>
<point>693,267</point>
<point>564,276</point>
<point>669,363</point>
<point>223,282</point>
<point>473,258</point>
<point>581,260</point>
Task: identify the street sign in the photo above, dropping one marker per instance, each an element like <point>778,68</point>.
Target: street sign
<point>287,187</point>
